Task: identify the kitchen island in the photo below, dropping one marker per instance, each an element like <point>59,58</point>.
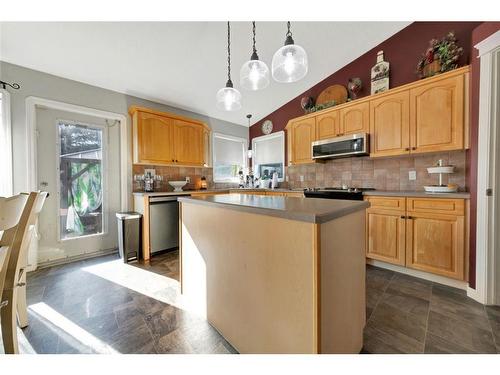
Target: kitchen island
<point>276,274</point>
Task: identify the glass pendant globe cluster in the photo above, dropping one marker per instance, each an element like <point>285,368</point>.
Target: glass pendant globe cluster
<point>289,64</point>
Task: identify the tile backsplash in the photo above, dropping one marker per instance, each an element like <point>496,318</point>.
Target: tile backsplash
<point>381,174</point>
<point>177,174</point>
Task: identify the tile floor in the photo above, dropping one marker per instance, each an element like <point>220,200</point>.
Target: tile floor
<point>103,306</point>
<point>410,315</point>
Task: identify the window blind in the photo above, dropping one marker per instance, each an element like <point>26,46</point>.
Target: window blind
<point>5,145</point>
<point>228,150</point>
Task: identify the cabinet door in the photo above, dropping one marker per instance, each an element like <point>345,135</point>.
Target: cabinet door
<point>355,119</point>
<point>437,116</point>
<point>390,125</point>
<point>303,133</point>
<point>153,139</point>
<point>385,234</point>
<point>327,125</point>
<point>188,143</point>
<point>435,243</point>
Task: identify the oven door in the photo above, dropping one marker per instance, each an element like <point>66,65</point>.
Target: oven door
<point>349,145</point>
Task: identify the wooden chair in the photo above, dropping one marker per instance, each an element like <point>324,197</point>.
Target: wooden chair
<point>22,307</point>
<point>10,270</point>
<point>11,210</point>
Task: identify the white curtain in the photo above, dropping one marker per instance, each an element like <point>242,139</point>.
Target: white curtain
<point>269,149</point>
<point>5,145</point>
<point>229,150</point>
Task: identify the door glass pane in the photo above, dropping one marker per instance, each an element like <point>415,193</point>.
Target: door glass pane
<point>81,178</point>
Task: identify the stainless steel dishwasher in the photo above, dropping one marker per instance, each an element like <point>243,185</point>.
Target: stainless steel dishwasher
<point>163,223</point>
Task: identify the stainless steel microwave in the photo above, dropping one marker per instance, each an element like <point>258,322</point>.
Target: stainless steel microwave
<point>341,147</point>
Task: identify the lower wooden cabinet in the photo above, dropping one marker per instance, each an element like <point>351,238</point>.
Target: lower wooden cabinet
<point>427,234</point>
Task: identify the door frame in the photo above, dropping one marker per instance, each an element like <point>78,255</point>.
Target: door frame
<point>32,102</point>
<point>488,212</point>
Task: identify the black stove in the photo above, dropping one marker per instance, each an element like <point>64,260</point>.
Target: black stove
<point>348,193</point>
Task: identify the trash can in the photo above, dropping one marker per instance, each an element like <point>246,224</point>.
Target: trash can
<point>129,235</point>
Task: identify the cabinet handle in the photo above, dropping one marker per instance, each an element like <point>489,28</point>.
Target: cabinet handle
<point>413,148</point>
<point>407,149</point>
<point>409,217</point>
<point>403,217</point>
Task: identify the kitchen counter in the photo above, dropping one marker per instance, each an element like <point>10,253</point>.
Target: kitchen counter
<point>276,274</point>
<point>184,192</point>
<point>418,194</point>
<point>301,209</point>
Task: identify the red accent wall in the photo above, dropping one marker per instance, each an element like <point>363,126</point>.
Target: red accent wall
<point>478,34</point>
<point>402,50</point>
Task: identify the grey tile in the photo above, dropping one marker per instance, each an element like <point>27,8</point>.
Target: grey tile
<point>455,304</point>
<point>493,313</point>
<point>400,328</point>
<point>174,342</point>
<point>378,278</point>
<point>398,299</point>
<point>459,332</point>
<point>410,286</point>
<point>134,337</point>
<point>378,342</point>
<point>437,345</point>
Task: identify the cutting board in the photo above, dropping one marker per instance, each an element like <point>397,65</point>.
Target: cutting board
<point>335,92</point>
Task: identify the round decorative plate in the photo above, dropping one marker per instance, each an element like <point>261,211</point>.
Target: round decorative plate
<point>267,127</point>
<point>337,93</point>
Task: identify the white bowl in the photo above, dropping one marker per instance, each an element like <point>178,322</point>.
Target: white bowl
<point>440,189</point>
<point>177,185</point>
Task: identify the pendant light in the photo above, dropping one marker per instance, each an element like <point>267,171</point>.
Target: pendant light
<point>290,61</point>
<point>228,98</point>
<point>254,74</point>
<point>249,152</point>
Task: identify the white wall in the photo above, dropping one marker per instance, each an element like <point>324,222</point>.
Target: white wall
<point>39,84</point>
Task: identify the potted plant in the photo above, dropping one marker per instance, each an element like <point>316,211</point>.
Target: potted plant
<point>441,56</point>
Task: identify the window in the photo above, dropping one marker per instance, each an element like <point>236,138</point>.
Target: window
<point>5,145</point>
<point>81,179</point>
<point>269,155</point>
<point>229,154</point>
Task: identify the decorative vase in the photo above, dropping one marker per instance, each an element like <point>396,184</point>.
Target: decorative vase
<point>307,103</point>
<point>431,69</point>
<point>354,86</point>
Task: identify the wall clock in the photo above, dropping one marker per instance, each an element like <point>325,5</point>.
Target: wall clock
<point>267,127</point>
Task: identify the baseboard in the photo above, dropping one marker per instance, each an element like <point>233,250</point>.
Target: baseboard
<point>420,274</point>
<point>476,295</point>
<point>58,262</point>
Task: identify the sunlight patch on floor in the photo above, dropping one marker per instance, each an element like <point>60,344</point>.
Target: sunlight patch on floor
<point>57,323</point>
<point>161,288</point>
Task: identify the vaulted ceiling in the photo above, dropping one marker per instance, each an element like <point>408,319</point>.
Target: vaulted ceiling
<point>183,64</point>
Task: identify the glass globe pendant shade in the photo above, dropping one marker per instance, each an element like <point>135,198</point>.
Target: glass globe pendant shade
<point>254,75</point>
<point>228,98</point>
<point>289,63</point>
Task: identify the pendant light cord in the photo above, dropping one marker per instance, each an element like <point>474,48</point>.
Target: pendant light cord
<point>228,52</point>
<point>288,33</point>
<point>253,31</point>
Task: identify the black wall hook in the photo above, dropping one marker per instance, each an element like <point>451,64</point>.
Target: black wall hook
<point>15,86</point>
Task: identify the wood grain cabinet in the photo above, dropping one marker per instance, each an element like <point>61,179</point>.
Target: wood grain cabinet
<point>435,236</point>
<point>328,125</point>
<point>385,229</point>
<point>390,125</point>
<point>161,138</point>
<point>426,234</point>
<point>437,115</point>
<point>355,119</point>
<point>301,134</point>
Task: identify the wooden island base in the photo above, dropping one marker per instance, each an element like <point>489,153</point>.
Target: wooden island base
<point>275,285</point>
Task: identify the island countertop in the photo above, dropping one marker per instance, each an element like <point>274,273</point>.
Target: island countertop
<point>300,209</point>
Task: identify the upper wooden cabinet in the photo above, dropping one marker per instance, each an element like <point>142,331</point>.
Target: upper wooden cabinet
<point>301,134</point>
<point>328,125</point>
<point>428,115</point>
<point>437,115</point>
<point>166,139</point>
<point>390,125</point>
<point>355,119</point>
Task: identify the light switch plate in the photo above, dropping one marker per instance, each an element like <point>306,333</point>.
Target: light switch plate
<point>301,178</point>
<point>412,175</point>
<point>188,179</point>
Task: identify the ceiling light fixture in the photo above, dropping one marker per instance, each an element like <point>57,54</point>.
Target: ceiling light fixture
<point>290,61</point>
<point>254,74</point>
<point>228,98</point>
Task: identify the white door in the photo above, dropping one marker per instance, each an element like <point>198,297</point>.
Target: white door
<point>78,164</point>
